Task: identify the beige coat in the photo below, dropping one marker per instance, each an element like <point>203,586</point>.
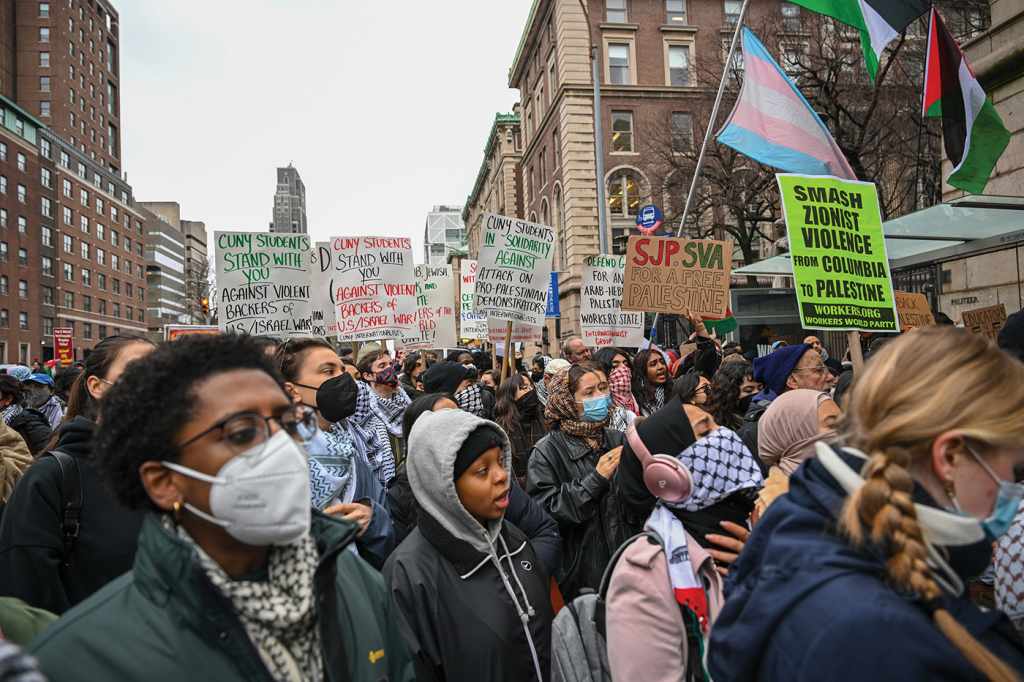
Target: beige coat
<point>14,459</point>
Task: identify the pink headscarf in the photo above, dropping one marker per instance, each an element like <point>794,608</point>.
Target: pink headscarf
<point>788,430</point>
<point>620,381</point>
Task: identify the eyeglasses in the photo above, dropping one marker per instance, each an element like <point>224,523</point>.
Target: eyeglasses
<point>817,369</point>
<point>244,431</point>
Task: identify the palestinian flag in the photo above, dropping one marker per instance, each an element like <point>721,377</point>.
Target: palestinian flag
<point>972,131</point>
<point>879,21</point>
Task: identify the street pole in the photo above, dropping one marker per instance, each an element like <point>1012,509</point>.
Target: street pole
<point>595,75</point>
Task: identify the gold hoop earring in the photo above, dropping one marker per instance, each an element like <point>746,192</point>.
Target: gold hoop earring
<point>177,510</point>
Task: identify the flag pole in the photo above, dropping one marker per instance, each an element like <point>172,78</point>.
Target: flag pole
<point>714,116</point>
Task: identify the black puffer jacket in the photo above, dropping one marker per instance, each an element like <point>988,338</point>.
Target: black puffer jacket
<point>34,427</point>
<point>563,478</point>
<point>524,436</point>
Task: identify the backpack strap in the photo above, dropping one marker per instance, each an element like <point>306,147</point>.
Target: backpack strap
<point>606,579</point>
<point>72,496</point>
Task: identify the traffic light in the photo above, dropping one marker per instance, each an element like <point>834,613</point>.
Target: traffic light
<point>206,305</point>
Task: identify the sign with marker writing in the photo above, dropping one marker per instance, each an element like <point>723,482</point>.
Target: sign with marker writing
<point>913,310</point>
<point>986,321</point>
<point>373,287</point>
<point>321,295</point>
<point>435,310</point>
<point>515,269</point>
<point>521,332</point>
<point>837,248</point>
<point>263,283</point>
<point>602,321</point>
<point>670,275</point>
<point>472,325</point>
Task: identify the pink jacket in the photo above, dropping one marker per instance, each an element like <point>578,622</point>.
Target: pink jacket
<point>646,637</point>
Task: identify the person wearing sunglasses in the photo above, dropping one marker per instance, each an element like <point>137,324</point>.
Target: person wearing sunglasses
<point>235,575</point>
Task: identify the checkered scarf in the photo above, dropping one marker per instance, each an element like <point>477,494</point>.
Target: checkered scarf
<point>621,383</point>
<point>10,412</point>
<point>561,413</point>
<point>721,465</point>
<point>391,410</point>
<point>376,444</point>
<point>470,400</point>
<point>331,456</point>
<point>1009,568</point>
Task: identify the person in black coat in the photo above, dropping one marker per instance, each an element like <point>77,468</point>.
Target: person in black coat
<point>31,425</point>
<point>572,474</point>
<point>471,592</point>
<point>520,414</point>
<point>35,565</point>
<point>522,512</point>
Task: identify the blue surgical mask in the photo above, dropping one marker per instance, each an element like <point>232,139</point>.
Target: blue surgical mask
<point>1007,502</point>
<point>596,409</point>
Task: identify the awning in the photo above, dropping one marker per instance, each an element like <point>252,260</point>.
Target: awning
<point>961,221</point>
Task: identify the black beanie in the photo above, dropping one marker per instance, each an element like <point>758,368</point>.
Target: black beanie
<point>443,377</point>
<point>479,441</point>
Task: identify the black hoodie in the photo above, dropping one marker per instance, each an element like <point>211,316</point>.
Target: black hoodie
<point>31,542</point>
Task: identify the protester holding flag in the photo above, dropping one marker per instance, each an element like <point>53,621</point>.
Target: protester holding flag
<point>572,474</point>
<point>885,529</point>
<point>261,590</point>
<point>520,414</point>
<point>39,563</point>
<point>650,381</point>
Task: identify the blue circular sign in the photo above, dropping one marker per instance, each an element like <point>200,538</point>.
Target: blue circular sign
<point>649,219</point>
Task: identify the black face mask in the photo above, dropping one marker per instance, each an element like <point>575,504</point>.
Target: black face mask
<point>528,404</point>
<point>537,377</point>
<point>744,404</point>
<point>336,397</point>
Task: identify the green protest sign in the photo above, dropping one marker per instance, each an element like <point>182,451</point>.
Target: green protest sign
<point>838,252</point>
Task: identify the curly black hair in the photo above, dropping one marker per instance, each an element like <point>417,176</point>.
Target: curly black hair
<point>143,412</point>
<point>724,400</point>
<point>606,355</point>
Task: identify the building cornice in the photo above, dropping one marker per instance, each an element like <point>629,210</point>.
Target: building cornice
<point>485,166</point>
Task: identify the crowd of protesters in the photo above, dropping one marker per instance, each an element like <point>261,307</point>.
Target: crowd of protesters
<point>245,508</point>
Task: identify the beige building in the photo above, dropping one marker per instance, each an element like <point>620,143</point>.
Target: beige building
<point>497,187</point>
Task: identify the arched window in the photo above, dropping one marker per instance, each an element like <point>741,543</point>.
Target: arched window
<point>624,194</point>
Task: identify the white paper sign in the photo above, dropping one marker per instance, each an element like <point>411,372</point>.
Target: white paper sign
<point>373,287</point>
<point>515,269</point>
<point>602,322</point>
<point>472,325</point>
<point>521,332</point>
<point>321,300</point>
<point>263,283</point>
<point>435,313</point>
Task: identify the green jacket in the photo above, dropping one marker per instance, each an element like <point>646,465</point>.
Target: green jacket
<point>165,620</point>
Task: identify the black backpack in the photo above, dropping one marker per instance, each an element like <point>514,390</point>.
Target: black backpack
<point>71,497</point>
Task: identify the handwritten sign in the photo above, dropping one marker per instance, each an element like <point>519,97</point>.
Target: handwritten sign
<point>263,281</point>
<point>521,332</point>
<point>321,295</point>
<point>986,321</point>
<point>913,310</point>
<point>472,325</point>
<point>669,275</point>
<point>602,322</point>
<point>373,287</point>
<point>435,312</point>
<point>515,269</point>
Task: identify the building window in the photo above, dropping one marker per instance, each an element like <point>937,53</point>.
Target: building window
<point>790,59</point>
<point>22,225</point>
<point>616,11</point>
<point>44,84</point>
<point>115,285</point>
<point>101,281</point>
<point>47,236</point>
<point>113,237</point>
<point>22,194</point>
<point>101,256</point>
<point>732,11</point>
<point>44,10</point>
<point>68,215</point>
<point>47,266</point>
<point>22,256</point>
<point>3,285</point>
<point>791,18</point>
<point>3,151</point>
<point>69,299</point>
<point>69,272</point>
<point>5,318</point>
<point>83,195</point>
<point>103,331</point>
<point>116,308</point>
<point>47,326</point>
<point>67,188</point>
<point>102,307</point>
<point>128,243</point>
<point>618,64</point>
<point>45,177</point>
<point>23,322</point>
<point>44,34</point>
<point>679,65</point>
<point>44,148</point>
<point>44,60</point>
<point>114,262</point>
<point>87,330</point>
<point>3,217</point>
<point>65,160</point>
<point>622,131</point>
<point>3,252</point>
<point>22,162</point>
<point>47,295</point>
<point>675,11</point>
<point>22,289</point>
<point>46,206</point>
<point>86,277</point>
<point>3,184</point>
<point>87,303</point>
<point>84,250</point>
<point>128,289</point>
<point>99,231</point>
<point>69,244</point>
<point>623,195</point>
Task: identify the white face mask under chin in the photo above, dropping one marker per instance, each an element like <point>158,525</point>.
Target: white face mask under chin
<point>261,496</point>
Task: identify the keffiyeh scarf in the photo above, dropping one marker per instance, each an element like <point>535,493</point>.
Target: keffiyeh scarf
<point>10,412</point>
<point>470,400</point>
<point>279,613</point>
<point>1009,569</point>
<point>391,410</point>
<point>560,413</point>
<point>377,445</point>
<point>720,465</point>
<point>621,383</point>
<point>657,403</point>
<point>331,470</point>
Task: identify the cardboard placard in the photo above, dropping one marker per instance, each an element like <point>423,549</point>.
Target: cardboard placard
<point>670,274</point>
<point>263,283</point>
<point>472,325</point>
<point>602,322</point>
<point>435,310</point>
<point>515,269</point>
<point>521,332</point>
<point>373,287</point>
<point>986,321</point>
<point>913,310</point>
<point>837,248</point>
<point>321,295</point>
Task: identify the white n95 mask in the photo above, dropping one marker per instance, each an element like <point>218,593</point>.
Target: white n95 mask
<point>260,496</point>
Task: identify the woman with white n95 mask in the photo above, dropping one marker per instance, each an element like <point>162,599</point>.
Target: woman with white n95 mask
<point>234,574</point>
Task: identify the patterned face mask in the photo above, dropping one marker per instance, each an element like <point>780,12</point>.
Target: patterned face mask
<point>387,377</point>
<point>469,399</point>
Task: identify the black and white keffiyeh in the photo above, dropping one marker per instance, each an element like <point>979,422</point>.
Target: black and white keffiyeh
<point>279,613</point>
<point>391,410</point>
<point>721,465</point>
<point>377,444</point>
<point>470,399</point>
<point>331,455</point>
<point>10,412</point>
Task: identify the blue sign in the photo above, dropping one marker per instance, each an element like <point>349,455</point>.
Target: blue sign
<point>649,219</point>
<point>554,310</point>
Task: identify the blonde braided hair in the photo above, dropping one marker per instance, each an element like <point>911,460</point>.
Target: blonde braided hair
<point>919,386</point>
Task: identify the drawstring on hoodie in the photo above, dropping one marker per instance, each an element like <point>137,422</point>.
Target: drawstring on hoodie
<point>524,615</point>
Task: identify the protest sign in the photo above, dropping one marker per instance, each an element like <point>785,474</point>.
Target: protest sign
<point>373,287</point>
<point>986,321</point>
<point>64,345</point>
<point>515,269</point>
<point>913,310</point>
<point>602,322</point>
<point>263,281</point>
<point>670,275</point>
<point>321,295</point>
<point>521,332</point>
<point>435,311</point>
<point>472,325</point>
<point>837,248</point>
<point>177,331</point>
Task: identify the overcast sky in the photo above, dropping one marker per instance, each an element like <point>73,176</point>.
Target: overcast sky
<point>384,107</point>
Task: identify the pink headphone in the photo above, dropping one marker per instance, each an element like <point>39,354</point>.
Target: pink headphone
<point>666,477</point>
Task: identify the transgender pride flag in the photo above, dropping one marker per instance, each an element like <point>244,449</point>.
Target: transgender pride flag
<point>773,123</point>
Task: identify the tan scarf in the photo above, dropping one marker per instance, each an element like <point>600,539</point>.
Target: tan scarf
<point>561,413</point>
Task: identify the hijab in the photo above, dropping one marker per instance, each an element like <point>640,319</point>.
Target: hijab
<point>788,430</point>
<point>560,413</point>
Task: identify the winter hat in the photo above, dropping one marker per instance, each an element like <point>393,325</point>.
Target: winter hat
<point>773,370</point>
<point>1011,336</point>
<point>444,377</point>
<point>556,365</point>
<point>479,441</point>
